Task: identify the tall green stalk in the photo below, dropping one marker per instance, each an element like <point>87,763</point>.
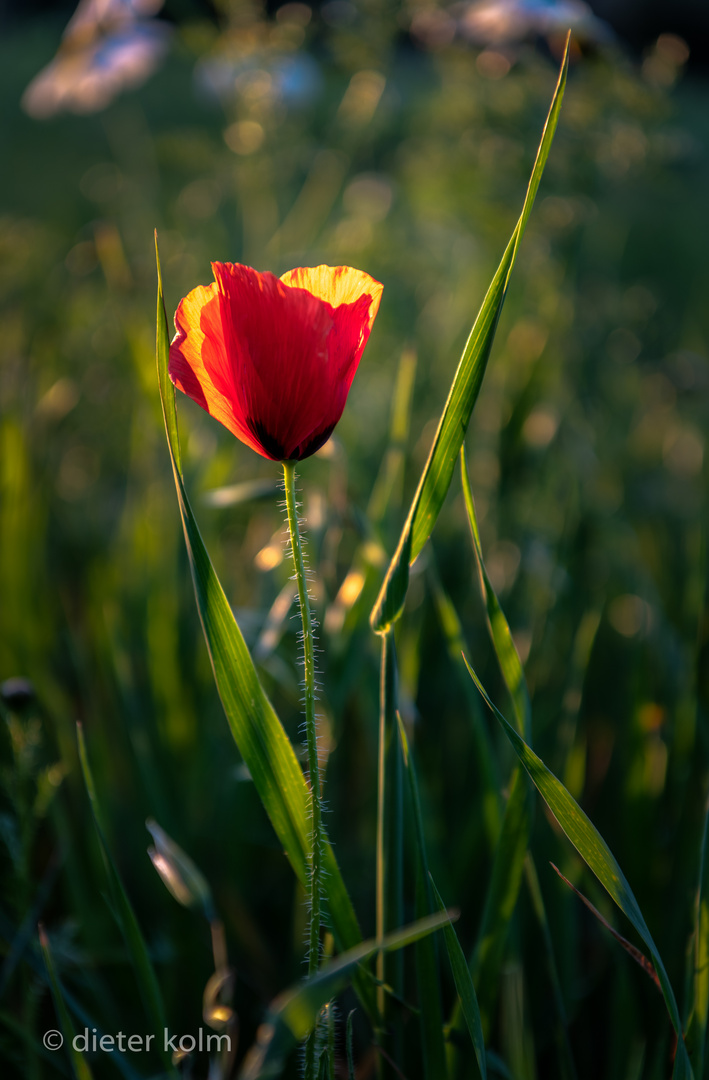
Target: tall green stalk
<point>381,793</point>
<point>316,826</point>
<point>389,847</point>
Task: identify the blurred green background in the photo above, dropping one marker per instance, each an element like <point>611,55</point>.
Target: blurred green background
<point>374,135</point>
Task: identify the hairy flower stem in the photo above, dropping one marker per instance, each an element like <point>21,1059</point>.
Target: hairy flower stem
<point>316,830</point>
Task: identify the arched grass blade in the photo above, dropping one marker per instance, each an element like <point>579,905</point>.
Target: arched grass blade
<point>79,1064</point>
<point>699,956</point>
<point>511,851</point>
<point>293,1013</point>
<point>129,926</point>
<point>256,728</point>
<point>598,857</point>
<point>438,471</point>
<point>514,677</point>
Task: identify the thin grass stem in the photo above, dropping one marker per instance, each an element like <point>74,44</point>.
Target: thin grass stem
<point>380,858</point>
<point>389,851</point>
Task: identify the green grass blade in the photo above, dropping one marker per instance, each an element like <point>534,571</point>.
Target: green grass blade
<point>699,958</point>
<point>123,909</point>
<point>390,838</point>
<point>501,899</point>
<point>598,857</point>
<point>167,390</point>
<point>259,734</point>
<point>507,869</point>
<point>79,1064</point>
<point>438,471</point>
<point>505,649</point>
<point>511,849</point>
<point>516,683</point>
<point>429,992</point>
<point>293,1013</point>
<point>256,728</point>
<point>466,989</point>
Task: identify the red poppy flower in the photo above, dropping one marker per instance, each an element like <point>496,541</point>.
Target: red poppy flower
<point>273,359</point>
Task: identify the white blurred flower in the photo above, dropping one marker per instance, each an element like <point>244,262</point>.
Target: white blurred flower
<point>501,22</point>
<point>108,46</point>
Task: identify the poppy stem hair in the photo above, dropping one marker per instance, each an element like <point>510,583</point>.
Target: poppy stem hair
<point>316,830</point>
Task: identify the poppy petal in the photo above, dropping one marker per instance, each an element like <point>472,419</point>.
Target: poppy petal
<point>273,359</point>
<point>198,360</point>
<point>354,297</point>
<point>336,285</point>
<point>276,339</point>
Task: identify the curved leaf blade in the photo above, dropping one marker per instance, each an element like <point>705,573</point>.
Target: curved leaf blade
<point>438,471</point>
<point>598,857</point>
<point>511,850</point>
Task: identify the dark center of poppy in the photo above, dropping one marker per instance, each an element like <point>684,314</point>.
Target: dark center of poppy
<point>314,444</point>
<point>270,444</point>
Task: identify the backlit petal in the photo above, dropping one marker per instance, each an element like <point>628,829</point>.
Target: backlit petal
<point>198,361</point>
<point>273,359</point>
<point>276,339</point>
<point>336,285</point>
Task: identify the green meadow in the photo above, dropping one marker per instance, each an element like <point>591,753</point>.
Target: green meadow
<point>286,141</point>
